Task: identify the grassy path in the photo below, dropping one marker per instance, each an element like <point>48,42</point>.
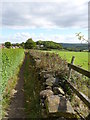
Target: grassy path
<point>32,89</point>
<point>25,101</point>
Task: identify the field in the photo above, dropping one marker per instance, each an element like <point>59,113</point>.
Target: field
<point>52,62</point>
<point>81,58</point>
<point>17,81</point>
<point>11,59</point>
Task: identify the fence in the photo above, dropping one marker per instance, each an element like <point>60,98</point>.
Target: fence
<point>83,97</point>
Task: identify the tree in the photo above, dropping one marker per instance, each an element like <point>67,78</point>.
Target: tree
<point>8,44</point>
<point>49,44</point>
<point>39,42</point>
<point>17,44</point>
<point>30,44</point>
<point>22,45</point>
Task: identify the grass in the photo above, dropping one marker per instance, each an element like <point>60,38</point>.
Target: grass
<point>11,60</point>
<point>81,58</point>
<point>32,85</point>
<point>8,91</point>
<point>53,62</point>
<point>31,89</point>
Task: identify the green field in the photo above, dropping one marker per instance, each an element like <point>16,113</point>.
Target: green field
<point>81,58</point>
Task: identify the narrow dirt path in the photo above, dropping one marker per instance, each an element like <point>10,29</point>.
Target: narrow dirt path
<point>25,102</point>
<point>16,108</point>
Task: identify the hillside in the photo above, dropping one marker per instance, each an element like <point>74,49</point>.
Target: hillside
<point>78,46</point>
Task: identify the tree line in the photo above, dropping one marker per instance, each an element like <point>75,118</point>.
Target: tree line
<point>45,45</point>
<point>30,44</point>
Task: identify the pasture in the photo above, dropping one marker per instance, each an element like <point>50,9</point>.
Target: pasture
<point>81,58</point>
<point>29,79</point>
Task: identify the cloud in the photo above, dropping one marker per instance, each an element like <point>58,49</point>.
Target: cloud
<point>38,16</point>
<point>22,37</point>
<point>63,14</point>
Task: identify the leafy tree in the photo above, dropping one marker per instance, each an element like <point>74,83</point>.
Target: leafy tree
<point>8,44</point>
<point>49,44</point>
<point>22,45</point>
<point>30,44</point>
<point>39,42</point>
<point>17,44</point>
<point>14,45</point>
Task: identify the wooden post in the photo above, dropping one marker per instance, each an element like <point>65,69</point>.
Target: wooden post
<point>69,74</point>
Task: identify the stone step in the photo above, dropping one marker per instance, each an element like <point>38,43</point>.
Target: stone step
<point>60,107</point>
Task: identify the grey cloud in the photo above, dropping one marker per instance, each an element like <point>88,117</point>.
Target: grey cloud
<point>44,14</point>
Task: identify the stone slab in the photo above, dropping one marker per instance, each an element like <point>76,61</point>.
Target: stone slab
<point>58,90</point>
<point>59,106</point>
<point>51,81</point>
<point>46,93</point>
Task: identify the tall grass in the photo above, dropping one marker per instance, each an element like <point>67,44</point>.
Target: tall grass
<point>11,59</point>
<point>32,89</point>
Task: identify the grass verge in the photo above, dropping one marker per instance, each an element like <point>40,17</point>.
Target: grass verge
<point>31,89</point>
<point>9,90</point>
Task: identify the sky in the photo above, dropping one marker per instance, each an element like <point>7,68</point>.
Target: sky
<point>56,20</point>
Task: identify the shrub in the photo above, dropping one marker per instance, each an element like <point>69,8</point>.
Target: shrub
<point>8,44</point>
<point>30,44</point>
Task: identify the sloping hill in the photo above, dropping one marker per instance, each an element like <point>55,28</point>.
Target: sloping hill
<point>78,46</point>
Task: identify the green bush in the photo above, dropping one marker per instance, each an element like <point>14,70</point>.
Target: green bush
<point>8,44</point>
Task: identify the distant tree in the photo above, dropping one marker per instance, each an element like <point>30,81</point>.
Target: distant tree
<point>8,44</point>
<point>17,44</point>
<point>39,42</point>
<point>30,44</point>
<point>22,45</point>
<point>49,44</point>
<point>14,45</point>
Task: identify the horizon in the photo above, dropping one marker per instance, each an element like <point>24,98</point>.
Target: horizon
<point>46,21</point>
<point>52,41</point>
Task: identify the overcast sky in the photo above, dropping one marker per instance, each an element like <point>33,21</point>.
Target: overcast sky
<point>57,21</point>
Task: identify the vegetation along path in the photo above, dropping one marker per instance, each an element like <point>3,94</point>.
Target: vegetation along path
<point>16,108</point>
<point>25,102</point>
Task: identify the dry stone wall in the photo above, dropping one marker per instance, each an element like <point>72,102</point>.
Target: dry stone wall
<point>52,97</point>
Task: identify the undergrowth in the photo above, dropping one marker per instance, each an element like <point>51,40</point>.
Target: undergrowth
<point>52,62</point>
<point>31,89</point>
